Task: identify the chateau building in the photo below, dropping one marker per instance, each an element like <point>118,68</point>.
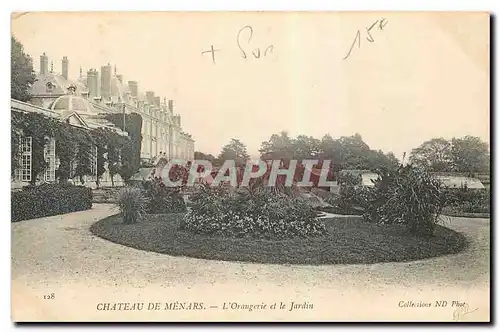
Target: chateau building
<point>87,100</point>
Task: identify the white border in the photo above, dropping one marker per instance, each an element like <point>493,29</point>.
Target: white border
<point>288,5</point>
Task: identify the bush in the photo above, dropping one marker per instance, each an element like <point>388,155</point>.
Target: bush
<point>410,196</point>
<point>262,213</point>
<point>49,200</point>
<point>352,198</point>
<point>347,178</point>
<point>131,203</point>
<point>467,200</point>
<point>162,199</point>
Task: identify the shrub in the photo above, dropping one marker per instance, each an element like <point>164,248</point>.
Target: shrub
<point>163,199</point>
<point>261,213</point>
<point>347,178</point>
<point>410,196</point>
<point>467,200</point>
<point>352,197</point>
<point>48,200</point>
<point>131,203</point>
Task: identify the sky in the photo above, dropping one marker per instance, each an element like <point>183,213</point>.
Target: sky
<point>413,77</point>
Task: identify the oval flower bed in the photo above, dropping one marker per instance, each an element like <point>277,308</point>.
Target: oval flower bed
<point>349,240</point>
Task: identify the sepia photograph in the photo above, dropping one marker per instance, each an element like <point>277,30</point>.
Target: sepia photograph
<point>250,166</point>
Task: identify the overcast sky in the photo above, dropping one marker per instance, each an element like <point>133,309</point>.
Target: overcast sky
<point>423,76</point>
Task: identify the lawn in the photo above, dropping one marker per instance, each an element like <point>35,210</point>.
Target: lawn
<point>350,241</point>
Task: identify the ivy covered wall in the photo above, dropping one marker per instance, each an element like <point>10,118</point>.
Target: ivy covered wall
<point>131,160</point>
<point>74,146</point>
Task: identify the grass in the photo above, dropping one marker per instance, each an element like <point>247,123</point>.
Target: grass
<point>350,241</point>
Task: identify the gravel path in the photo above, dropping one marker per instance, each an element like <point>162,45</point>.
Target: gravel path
<point>59,255</point>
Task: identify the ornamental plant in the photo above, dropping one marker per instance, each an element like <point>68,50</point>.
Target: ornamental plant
<point>162,199</point>
<point>410,196</point>
<point>131,202</point>
<point>259,213</point>
<point>352,198</point>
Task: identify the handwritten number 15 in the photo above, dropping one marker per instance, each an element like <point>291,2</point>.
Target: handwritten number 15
<point>381,25</point>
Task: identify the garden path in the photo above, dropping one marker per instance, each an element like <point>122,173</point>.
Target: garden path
<point>59,255</point>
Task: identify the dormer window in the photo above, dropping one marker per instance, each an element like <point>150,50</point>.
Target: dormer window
<point>71,89</point>
<point>50,86</point>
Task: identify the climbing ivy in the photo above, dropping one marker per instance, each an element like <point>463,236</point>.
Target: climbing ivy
<point>67,142</point>
<point>40,128</point>
<point>109,146</point>
<point>99,136</point>
<point>73,147</point>
<point>131,153</point>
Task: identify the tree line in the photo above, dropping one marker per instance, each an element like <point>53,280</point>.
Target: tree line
<point>346,152</point>
<point>467,154</point>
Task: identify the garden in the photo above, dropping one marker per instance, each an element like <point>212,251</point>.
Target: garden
<point>399,219</point>
<point>355,199</point>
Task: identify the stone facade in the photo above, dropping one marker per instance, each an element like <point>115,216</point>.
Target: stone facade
<point>107,92</point>
<point>86,101</point>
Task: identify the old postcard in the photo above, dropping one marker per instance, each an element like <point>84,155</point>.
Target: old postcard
<point>250,166</point>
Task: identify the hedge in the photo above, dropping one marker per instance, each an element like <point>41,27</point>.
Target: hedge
<point>468,200</point>
<point>49,200</point>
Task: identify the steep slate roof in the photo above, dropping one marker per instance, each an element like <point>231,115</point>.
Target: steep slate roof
<point>59,85</point>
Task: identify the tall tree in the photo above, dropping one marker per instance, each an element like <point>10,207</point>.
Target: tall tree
<point>330,150</point>
<point>379,159</point>
<point>22,74</point>
<point>354,152</point>
<point>198,155</point>
<point>434,155</point>
<point>347,152</point>
<point>279,146</point>
<point>305,147</point>
<point>234,150</point>
<point>392,159</point>
<point>470,154</point>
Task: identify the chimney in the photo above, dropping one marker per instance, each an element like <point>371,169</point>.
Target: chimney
<point>106,82</point>
<point>44,64</point>
<point>120,78</point>
<point>158,101</point>
<point>171,105</point>
<point>134,87</point>
<point>150,97</point>
<point>65,67</point>
<point>92,81</point>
